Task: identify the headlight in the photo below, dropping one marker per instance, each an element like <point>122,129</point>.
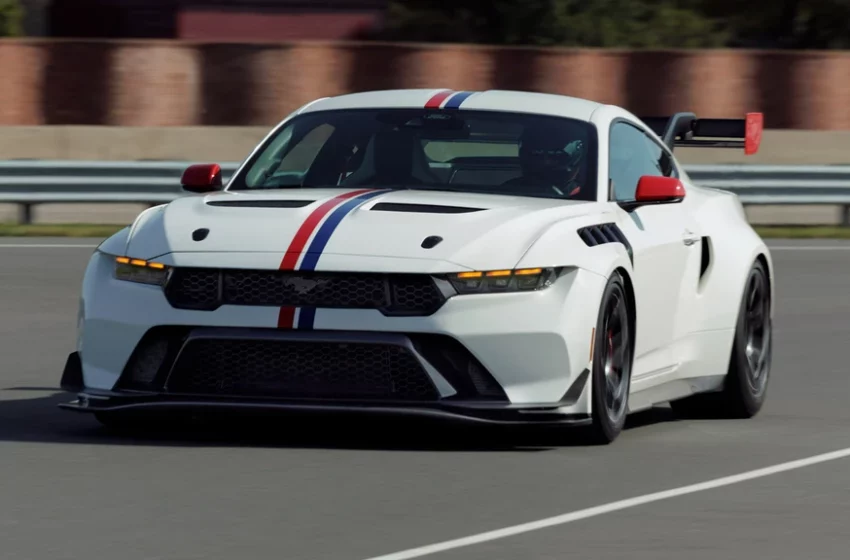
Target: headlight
<point>496,281</point>
<point>143,272</point>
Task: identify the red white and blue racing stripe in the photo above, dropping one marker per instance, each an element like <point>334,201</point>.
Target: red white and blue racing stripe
<point>320,225</point>
<point>317,229</point>
<point>448,99</point>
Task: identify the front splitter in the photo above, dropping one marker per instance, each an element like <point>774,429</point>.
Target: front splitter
<point>463,411</point>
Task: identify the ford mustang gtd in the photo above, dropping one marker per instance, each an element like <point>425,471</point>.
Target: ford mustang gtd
<point>487,256</point>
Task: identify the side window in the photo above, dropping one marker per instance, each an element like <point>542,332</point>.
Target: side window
<point>633,154</point>
<point>663,160</point>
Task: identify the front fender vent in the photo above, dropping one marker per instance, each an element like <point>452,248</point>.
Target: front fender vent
<point>600,234</point>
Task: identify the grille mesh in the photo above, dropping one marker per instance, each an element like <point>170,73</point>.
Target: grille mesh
<point>261,288</point>
<point>293,369</point>
<point>190,288</point>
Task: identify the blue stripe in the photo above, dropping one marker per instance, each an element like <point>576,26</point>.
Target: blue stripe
<point>306,318</point>
<point>307,315</point>
<point>457,99</point>
<point>314,251</point>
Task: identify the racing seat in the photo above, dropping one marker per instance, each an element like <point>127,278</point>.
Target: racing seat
<point>396,158</point>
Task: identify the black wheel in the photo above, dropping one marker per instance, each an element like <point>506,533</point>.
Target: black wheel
<point>612,364</point>
<point>745,387</point>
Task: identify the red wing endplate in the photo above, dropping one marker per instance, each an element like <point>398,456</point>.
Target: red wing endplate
<point>754,128</point>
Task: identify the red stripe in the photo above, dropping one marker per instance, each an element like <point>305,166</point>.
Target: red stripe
<point>286,318</point>
<point>290,258</point>
<point>437,100</point>
<point>286,315</point>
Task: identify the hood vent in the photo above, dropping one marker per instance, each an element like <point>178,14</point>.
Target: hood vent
<point>422,208</point>
<point>261,203</point>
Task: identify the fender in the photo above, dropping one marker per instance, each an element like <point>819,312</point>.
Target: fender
<point>116,244</point>
<point>147,238</point>
<point>734,247</point>
<point>561,245</point>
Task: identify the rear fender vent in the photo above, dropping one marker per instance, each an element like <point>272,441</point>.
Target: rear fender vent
<point>705,257</point>
<point>422,208</point>
<point>600,234</point>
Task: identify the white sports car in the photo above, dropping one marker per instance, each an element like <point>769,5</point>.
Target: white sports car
<point>493,256</point>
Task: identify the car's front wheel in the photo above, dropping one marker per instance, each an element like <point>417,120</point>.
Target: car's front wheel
<point>745,386</point>
<point>612,363</point>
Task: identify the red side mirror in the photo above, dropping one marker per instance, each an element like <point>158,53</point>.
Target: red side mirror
<point>659,189</point>
<point>202,178</point>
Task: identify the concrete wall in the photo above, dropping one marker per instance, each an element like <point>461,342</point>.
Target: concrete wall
<point>234,143</point>
<point>168,83</point>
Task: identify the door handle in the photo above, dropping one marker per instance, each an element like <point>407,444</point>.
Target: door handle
<point>689,238</point>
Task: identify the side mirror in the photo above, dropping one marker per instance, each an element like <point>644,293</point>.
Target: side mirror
<point>659,190</point>
<point>202,178</point>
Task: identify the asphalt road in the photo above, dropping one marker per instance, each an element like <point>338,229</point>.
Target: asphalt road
<point>294,490</point>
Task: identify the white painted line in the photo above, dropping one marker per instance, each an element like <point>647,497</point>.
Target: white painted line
<point>611,507</point>
<point>44,246</point>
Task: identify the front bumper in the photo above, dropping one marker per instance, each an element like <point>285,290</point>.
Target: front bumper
<point>533,348</point>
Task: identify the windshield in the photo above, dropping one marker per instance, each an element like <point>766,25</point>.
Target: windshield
<point>469,151</point>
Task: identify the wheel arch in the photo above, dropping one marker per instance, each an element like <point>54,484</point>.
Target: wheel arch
<point>735,246</point>
<point>766,261</point>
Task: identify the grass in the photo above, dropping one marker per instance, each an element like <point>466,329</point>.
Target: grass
<point>104,230</point>
<point>804,232</point>
<point>58,230</point>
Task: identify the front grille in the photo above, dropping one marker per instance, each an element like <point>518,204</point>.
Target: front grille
<point>299,369</point>
<point>393,294</point>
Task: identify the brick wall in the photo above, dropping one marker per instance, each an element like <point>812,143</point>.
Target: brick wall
<point>168,83</point>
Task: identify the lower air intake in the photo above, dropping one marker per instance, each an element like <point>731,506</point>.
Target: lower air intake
<point>299,369</point>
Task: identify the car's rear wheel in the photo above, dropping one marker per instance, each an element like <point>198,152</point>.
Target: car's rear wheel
<point>612,363</point>
<point>745,387</point>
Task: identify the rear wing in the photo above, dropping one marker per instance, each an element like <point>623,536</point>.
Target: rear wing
<point>686,130</point>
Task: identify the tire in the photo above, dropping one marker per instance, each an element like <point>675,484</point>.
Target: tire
<point>613,352</point>
<point>745,387</point>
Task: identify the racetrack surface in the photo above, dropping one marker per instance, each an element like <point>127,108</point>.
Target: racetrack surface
<point>353,490</point>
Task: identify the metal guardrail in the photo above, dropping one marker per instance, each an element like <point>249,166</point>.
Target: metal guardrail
<point>31,182</point>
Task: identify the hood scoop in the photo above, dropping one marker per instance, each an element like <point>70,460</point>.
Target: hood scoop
<point>261,203</point>
<point>422,208</point>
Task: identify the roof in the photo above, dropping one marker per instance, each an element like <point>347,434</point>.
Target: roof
<point>490,100</point>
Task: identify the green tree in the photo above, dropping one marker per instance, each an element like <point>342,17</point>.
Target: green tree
<point>797,24</point>
<point>636,24</point>
<point>11,18</point>
<point>794,24</point>
<point>471,21</point>
<point>600,23</point>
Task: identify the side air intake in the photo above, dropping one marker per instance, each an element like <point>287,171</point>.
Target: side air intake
<point>600,234</point>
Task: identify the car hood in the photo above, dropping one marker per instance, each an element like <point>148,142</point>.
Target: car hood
<point>469,229</point>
